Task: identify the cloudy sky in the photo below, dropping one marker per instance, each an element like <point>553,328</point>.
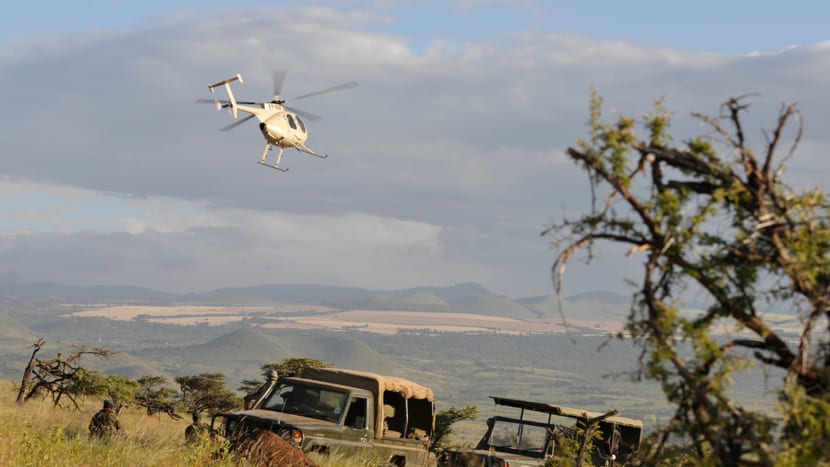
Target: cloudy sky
<point>445,164</point>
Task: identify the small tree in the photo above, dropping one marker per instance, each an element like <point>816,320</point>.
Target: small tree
<point>444,419</point>
<point>27,373</point>
<point>206,391</point>
<point>285,367</point>
<point>154,394</point>
<point>727,226</point>
<point>63,378</point>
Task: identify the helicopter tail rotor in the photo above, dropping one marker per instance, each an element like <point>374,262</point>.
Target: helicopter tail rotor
<point>227,84</point>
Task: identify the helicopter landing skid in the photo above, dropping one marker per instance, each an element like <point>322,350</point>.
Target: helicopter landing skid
<point>272,166</point>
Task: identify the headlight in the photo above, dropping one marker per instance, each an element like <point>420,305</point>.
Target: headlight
<point>292,436</point>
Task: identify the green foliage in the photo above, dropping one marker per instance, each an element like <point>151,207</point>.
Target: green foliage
<point>287,367</point>
<point>121,389</point>
<point>206,392</point>
<point>87,382</point>
<point>444,420</point>
<point>63,378</point>
<point>727,226</point>
<point>295,366</point>
<point>806,427</point>
<point>154,394</point>
<point>575,450</point>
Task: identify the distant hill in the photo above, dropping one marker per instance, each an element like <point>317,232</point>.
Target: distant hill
<point>611,298</point>
<point>420,301</point>
<point>91,294</point>
<point>449,294</point>
<point>589,306</point>
<point>11,329</point>
<point>489,304</point>
<point>276,294</point>
<point>246,350</point>
<point>124,364</point>
<point>459,298</point>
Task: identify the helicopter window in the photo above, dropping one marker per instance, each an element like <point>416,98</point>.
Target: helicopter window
<point>291,121</point>
<point>301,123</point>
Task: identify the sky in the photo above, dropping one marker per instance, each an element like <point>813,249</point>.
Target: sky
<point>445,164</point>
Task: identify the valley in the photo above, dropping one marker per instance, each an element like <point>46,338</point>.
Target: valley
<point>464,342</point>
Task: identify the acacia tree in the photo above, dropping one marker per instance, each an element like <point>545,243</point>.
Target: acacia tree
<point>63,378</point>
<point>444,419</point>
<point>721,222</point>
<point>206,391</point>
<point>292,366</point>
<point>154,394</point>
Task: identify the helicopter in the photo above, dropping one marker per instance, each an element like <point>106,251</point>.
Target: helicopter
<point>282,126</point>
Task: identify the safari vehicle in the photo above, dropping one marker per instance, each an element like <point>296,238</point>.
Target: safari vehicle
<point>531,439</point>
<point>329,410</point>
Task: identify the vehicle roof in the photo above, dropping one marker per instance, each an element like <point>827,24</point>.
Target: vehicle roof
<point>406,388</point>
<point>563,411</point>
<point>328,384</point>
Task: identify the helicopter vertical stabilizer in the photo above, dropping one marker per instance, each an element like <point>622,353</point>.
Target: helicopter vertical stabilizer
<point>227,84</point>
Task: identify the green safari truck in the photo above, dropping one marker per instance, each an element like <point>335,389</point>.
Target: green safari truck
<point>328,410</point>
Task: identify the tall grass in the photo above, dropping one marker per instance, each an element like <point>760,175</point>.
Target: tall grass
<point>36,434</point>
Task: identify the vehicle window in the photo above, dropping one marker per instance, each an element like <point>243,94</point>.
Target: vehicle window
<point>300,122</point>
<point>525,439</point>
<point>276,401</point>
<point>356,417</point>
<point>291,121</point>
<point>307,400</point>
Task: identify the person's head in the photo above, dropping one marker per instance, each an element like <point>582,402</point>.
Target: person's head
<point>108,404</point>
<point>196,416</point>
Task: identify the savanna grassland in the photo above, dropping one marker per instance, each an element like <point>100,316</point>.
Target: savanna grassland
<point>37,434</point>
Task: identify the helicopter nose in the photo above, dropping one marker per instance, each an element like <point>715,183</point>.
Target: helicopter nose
<point>262,126</point>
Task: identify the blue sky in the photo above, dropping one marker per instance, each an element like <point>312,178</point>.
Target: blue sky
<point>731,27</point>
<point>446,162</point>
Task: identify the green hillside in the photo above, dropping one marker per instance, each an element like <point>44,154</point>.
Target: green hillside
<point>241,353</point>
<point>492,305</point>
<point>12,329</point>
<point>422,301</point>
<point>589,307</point>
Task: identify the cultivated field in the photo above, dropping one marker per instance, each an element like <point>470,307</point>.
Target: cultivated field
<point>327,318</point>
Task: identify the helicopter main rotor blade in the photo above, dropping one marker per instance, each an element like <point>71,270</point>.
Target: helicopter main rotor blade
<point>235,124</point>
<point>225,103</point>
<point>304,114</point>
<point>278,78</point>
<point>339,87</point>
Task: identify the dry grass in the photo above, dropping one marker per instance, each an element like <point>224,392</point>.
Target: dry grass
<point>36,434</point>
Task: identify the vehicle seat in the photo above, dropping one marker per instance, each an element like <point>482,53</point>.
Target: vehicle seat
<point>389,413</point>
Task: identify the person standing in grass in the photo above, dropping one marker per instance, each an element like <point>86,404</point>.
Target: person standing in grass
<point>196,430</point>
<point>105,422</point>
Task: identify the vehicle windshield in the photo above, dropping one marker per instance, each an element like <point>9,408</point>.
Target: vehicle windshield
<point>525,439</point>
<point>307,400</point>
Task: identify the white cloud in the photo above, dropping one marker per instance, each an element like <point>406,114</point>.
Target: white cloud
<point>445,164</point>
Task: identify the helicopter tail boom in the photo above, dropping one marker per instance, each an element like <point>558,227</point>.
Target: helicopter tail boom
<point>231,98</point>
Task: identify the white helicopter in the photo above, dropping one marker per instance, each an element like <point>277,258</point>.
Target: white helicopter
<point>282,126</point>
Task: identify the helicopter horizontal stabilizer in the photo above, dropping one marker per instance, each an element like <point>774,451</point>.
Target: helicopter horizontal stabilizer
<point>272,166</point>
<point>229,80</point>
